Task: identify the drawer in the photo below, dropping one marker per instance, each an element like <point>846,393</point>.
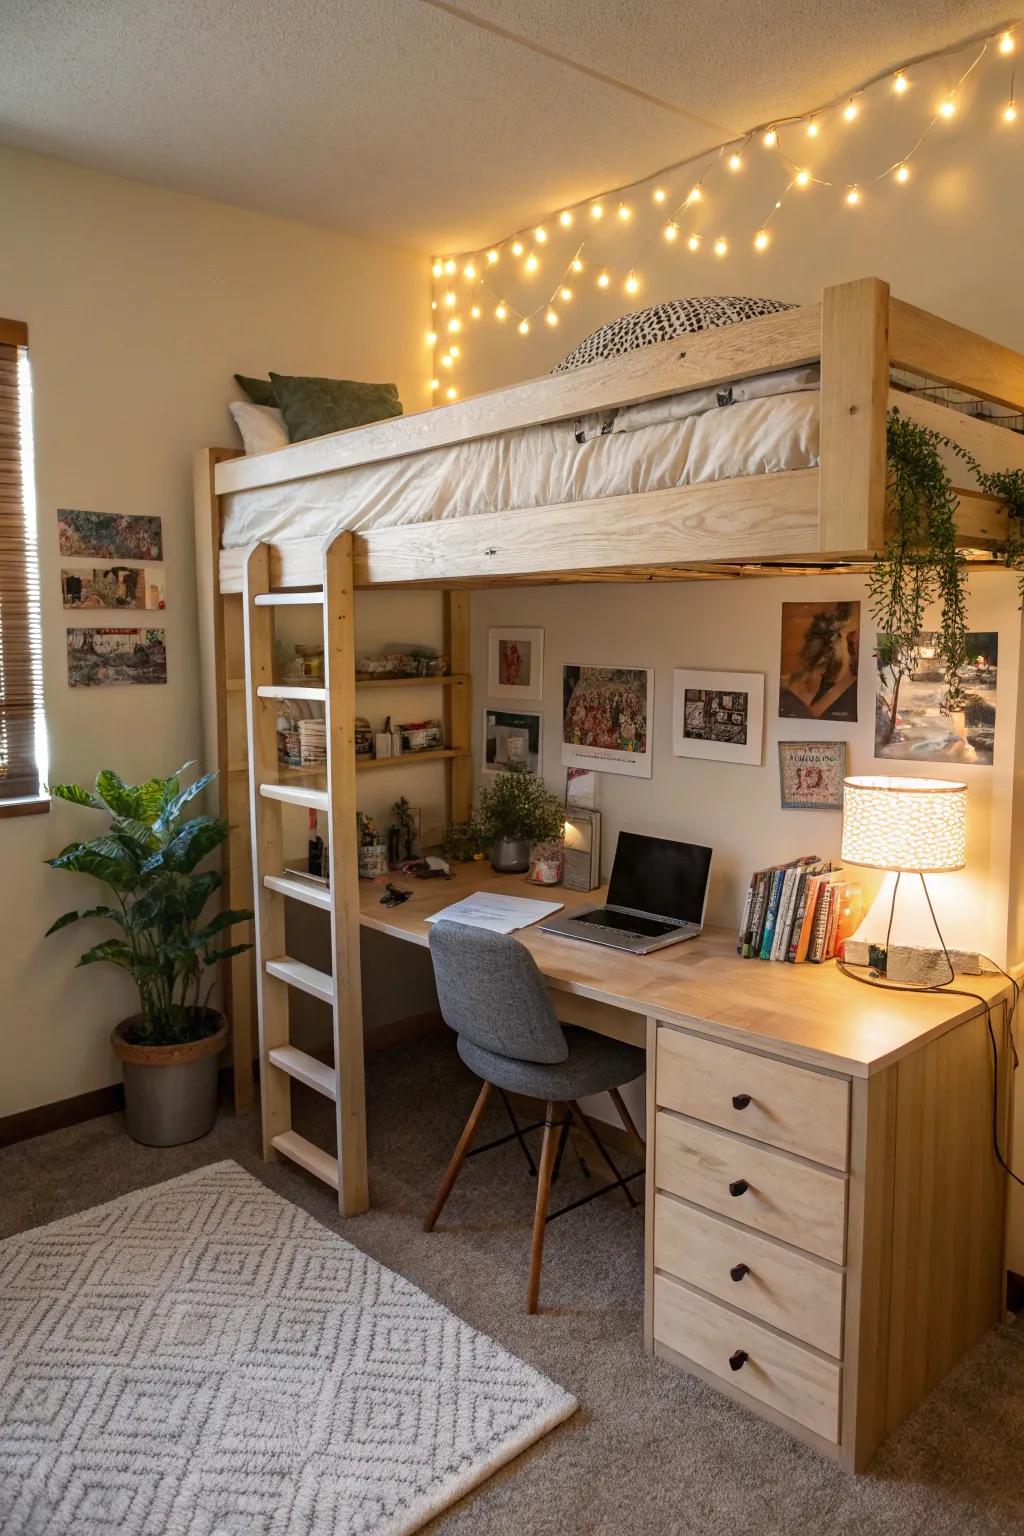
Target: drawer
<point>792,1291</point>
<point>774,1101</point>
<point>785,1376</point>
<point>803,1205</point>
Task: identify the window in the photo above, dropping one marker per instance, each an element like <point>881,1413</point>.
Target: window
<point>22,730</point>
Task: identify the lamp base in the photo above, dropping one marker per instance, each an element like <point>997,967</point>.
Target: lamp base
<point>898,938</point>
<point>911,963</point>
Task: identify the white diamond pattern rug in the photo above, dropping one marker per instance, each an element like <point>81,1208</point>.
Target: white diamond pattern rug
<point>202,1358</point>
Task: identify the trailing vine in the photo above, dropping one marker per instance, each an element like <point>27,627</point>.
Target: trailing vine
<point>921,563</point>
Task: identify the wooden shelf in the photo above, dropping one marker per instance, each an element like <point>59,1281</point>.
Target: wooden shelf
<point>449,680</point>
<point>404,760</point>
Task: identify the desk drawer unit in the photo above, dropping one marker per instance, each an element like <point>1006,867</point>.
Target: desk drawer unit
<point>793,1380</point>
<point>777,1102</point>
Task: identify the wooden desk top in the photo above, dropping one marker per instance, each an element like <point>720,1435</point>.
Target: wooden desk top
<point>810,1013</point>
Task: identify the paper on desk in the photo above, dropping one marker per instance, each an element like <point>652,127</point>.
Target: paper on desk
<point>501,914</point>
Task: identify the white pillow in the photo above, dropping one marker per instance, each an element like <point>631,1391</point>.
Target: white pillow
<point>261,426</point>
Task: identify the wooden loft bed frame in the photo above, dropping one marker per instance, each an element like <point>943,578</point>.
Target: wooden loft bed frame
<point>832,517</point>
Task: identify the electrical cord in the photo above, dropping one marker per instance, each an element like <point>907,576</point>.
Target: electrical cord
<point>875,979</point>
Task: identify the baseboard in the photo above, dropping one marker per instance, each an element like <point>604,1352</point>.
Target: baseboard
<point>26,1123</point>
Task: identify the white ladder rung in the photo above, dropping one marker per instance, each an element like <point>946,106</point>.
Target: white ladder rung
<point>309,1156</point>
<point>305,1069</point>
<point>300,890</point>
<point>297,974</point>
<point>288,599</point>
<point>294,794</point>
<point>292,691</point>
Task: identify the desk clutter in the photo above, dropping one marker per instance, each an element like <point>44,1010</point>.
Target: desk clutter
<point>801,911</point>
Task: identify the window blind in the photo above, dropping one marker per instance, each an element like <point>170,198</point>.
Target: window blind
<point>21,700</point>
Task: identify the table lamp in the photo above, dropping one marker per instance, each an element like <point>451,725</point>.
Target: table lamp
<point>905,826</point>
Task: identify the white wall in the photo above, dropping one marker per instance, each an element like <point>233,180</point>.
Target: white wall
<point>141,304</point>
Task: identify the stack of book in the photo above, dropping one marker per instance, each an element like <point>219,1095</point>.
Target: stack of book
<point>805,910</point>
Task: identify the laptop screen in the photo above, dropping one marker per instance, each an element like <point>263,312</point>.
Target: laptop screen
<point>658,875</point>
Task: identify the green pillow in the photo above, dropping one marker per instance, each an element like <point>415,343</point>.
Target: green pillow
<point>313,407</point>
<point>260,391</point>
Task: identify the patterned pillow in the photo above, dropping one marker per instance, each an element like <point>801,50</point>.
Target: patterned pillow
<point>660,322</point>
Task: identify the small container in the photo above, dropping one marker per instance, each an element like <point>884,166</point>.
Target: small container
<point>547,862</point>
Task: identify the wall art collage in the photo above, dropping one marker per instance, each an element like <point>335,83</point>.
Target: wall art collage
<point>124,574</point>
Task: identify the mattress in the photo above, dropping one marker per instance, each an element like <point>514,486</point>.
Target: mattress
<point>674,441</point>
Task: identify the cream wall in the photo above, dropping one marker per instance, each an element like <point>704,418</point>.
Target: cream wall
<point>141,304</point>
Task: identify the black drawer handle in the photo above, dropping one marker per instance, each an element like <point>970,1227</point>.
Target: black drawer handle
<point>738,1360</point>
<point>740,1100</point>
<point>738,1271</point>
<point>738,1187</point>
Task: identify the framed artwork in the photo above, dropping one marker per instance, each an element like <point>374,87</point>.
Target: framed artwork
<point>115,586</point>
<point>512,739</point>
<point>515,663</point>
<point>909,721</point>
<point>819,661</point>
<point>109,536</point>
<point>718,715</point>
<point>104,658</point>
<point>606,719</point>
<point>811,775</point>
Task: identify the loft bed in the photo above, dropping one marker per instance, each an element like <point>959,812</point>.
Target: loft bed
<point>827,514</point>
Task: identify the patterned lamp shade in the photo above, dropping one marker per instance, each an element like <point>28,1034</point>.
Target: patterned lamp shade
<point>913,825</point>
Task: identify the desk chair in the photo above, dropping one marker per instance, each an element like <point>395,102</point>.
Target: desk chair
<point>493,996</point>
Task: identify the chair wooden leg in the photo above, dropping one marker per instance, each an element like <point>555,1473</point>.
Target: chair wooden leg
<point>628,1122</point>
<point>548,1153</point>
<point>458,1157</point>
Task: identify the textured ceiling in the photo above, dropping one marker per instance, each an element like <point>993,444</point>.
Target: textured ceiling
<point>422,123</point>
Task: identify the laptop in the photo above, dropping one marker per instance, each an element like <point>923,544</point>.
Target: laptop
<point>656,896</point>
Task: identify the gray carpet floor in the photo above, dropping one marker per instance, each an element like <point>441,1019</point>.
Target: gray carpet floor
<point>651,1450</point>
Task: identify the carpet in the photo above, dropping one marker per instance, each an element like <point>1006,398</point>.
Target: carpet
<point>202,1358</point>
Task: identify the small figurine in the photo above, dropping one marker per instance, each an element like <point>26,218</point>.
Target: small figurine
<point>408,833</point>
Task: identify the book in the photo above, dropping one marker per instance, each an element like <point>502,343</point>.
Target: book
<point>784,926</point>
<point>814,884</point>
<point>799,912</point>
<point>772,913</point>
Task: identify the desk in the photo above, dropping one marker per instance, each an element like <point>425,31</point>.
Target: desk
<point>825,1218</point>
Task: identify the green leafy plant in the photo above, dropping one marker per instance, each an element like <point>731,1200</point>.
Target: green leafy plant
<point>462,841</point>
<point>516,805</point>
<point>148,857</point>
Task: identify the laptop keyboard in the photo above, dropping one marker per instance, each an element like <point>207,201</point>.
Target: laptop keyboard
<point>644,927</point>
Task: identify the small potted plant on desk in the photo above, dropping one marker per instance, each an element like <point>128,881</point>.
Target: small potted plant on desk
<point>148,856</point>
<point>514,811</point>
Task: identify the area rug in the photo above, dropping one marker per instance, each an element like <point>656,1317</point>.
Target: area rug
<point>202,1358</point>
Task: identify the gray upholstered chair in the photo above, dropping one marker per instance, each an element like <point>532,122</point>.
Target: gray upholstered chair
<point>492,994</point>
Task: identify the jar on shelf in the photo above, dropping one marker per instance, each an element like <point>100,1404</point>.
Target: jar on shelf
<point>547,862</point>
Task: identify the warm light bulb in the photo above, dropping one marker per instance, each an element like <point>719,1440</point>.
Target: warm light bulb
<point>431,338</point>
<point>625,211</point>
<point>901,84</point>
<point>761,240</point>
<point>454,326</point>
<point>853,197</point>
<point>517,247</point>
<point>492,257</point>
<point>721,246</point>
<point>449,300</point>
<point>903,173</point>
<point>565,294</point>
<point>437,268</point>
<point>1009,113</point>
<point>576,264</point>
<point>671,232</point>
<point>770,138</point>
<point>540,234</point>
<point>948,108</point>
<point>449,266</point>
<point>659,194</point>
<point>446,360</point>
<point>475,312</point>
<point>565,218</point>
<point>850,110</point>
<point>531,263</point>
<point>501,311</point>
<point>524,327</point>
<point>454,351</point>
<point>433,303</point>
<point>802,178</point>
<point>694,242</point>
<point>1006,43</point>
<point>603,280</point>
<point>451,392</point>
<point>812,128</point>
<point>632,284</point>
<point>694,195</point>
<point>469,271</point>
<point>597,210</point>
<point>435,383</point>
<point>551,317</point>
<point>735,161</point>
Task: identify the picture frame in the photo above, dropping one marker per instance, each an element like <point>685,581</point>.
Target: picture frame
<point>512,738</point>
<point>718,715</point>
<point>607,719</point>
<point>515,663</point>
<point>811,775</point>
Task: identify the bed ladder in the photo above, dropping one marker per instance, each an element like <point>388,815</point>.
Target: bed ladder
<point>276,971</point>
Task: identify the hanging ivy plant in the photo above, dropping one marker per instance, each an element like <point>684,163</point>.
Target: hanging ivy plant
<point>921,563</point>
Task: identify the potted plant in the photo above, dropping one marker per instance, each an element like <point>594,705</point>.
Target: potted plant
<point>514,811</point>
<point>148,856</point>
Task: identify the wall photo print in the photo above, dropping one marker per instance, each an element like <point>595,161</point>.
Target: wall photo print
<point>819,661</point>
<point>606,719</point>
<point>811,775</point>
<point>515,663</point>
<point>512,739</point>
<point>718,715</point>
<point>109,535</point>
<point>105,658</point>
<point>910,724</point>
<point>114,586</point>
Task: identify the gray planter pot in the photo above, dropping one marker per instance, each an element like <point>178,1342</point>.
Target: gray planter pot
<point>170,1091</point>
<point>510,855</point>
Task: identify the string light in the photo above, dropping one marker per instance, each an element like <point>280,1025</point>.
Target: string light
<point>492,257</point>
<point>671,232</point>
<point>531,263</point>
<point>524,327</point>
<point>451,392</point>
<point>431,338</point>
<point>565,294</point>
<point>721,246</point>
<point>455,326</point>
<point>632,283</point>
<point>853,196</point>
<point>565,218</point>
<point>576,264</point>
<point>947,108</point>
<point>597,210</point>
<point>604,279</point>
<point>693,243</point>
<point>812,128</point>
<point>735,161</point>
<point>469,271</point>
<point>903,173</point>
<point>659,194</point>
<point>437,268</point>
<point>454,351</point>
<point>449,300</point>
<point>802,178</point>
<point>1006,43</point>
<point>446,360</point>
<point>475,312</point>
<point>435,384</point>
<point>625,212</point>
<point>517,247</point>
<point>1009,113</point>
<point>850,110</point>
<point>695,195</point>
<point>901,84</point>
<point>540,234</point>
<point>449,266</point>
<point>551,317</point>
<point>501,311</point>
<point>762,240</point>
<point>770,138</point>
